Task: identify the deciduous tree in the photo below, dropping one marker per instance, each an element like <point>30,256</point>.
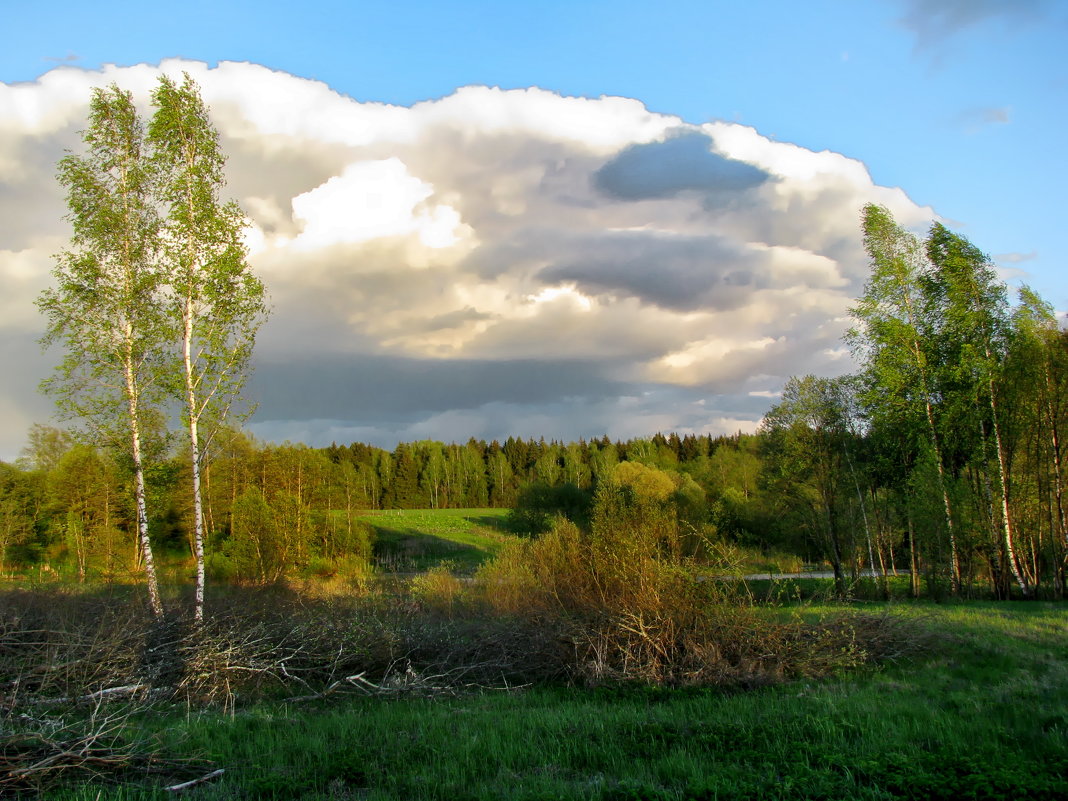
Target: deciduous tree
<point>215,303</point>
<point>104,308</point>
<point>892,339</point>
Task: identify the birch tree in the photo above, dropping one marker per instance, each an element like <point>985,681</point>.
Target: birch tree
<point>974,319</point>
<point>1038,349</point>
<point>104,308</point>
<point>891,340</point>
<point>215,303</point>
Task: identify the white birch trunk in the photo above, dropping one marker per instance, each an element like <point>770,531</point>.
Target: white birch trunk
<point>1006,520</point>
<point>139,492</point>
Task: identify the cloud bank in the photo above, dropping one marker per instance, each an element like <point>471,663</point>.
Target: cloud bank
<point>488,263</point>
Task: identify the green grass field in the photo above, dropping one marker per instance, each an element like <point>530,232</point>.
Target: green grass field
<point>415,540</point>
<point>981,714</point>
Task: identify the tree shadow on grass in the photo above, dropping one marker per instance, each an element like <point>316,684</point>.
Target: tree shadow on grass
<point>403,549</point>
<point>498,523</point>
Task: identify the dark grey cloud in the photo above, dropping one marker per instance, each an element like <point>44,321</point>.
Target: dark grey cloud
<point>21,404</point>
<point>645,410</point>
<point>673,272</point>
<point>373,389</point>
<point>680,163</point>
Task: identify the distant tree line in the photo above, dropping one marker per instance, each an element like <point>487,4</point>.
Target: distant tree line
<point>271,508</point>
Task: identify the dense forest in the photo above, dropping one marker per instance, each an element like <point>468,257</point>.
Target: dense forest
<point>67,503</point>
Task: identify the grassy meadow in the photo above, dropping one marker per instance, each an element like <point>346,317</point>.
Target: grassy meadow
<point>416,540</point>
<point>980,711</point>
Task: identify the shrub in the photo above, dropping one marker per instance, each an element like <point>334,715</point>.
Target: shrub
<point>438,589</point>
<point>629,604</point>
<point>539,504</point>
<point>254,549</point>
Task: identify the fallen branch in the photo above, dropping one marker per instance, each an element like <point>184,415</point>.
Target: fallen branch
<point>177,788</point>
<point>107,694</point>
<point>113,692</point>
<point>330,689</point>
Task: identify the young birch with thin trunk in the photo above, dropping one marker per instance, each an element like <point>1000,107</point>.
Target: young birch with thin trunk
<point>104,308</point>
<point>891,338</point>
<point>975,316</point>
<point>215,303</point>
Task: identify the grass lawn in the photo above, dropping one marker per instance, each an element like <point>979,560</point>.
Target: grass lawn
<point>415,540</point>
<point>981,714</point>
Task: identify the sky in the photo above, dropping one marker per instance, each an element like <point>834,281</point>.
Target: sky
<point>558,219</point>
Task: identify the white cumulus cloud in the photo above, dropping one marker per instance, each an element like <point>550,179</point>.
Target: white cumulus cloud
<point>372,200</point>
<point>484,263</point>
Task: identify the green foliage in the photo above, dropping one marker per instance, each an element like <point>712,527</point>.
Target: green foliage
<point>962,428</point>
<point>213,302</point>
<point>538,504</point>
<point>255,551</point>
<point>19,498</point>
<point>105,306</point>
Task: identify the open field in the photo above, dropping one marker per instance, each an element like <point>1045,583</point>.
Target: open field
<point>981,712</point>
<point>415,540</point>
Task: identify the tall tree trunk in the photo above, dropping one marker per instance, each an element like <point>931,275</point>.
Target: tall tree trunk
<point>140,493</point>
<point>914,562</point>
<point>1006,518</point>
<point>955,578</point>
<point>1058,488</point>
<point>864,517</point>
<point>193,420</point>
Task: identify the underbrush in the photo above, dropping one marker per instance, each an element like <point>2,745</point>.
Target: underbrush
<point>79,668</point>
<point>630,608</point>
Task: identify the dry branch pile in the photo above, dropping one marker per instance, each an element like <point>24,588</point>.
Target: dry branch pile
<point>97,744</point>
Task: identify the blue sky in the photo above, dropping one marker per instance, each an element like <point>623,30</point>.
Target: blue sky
<point>959,103</point>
